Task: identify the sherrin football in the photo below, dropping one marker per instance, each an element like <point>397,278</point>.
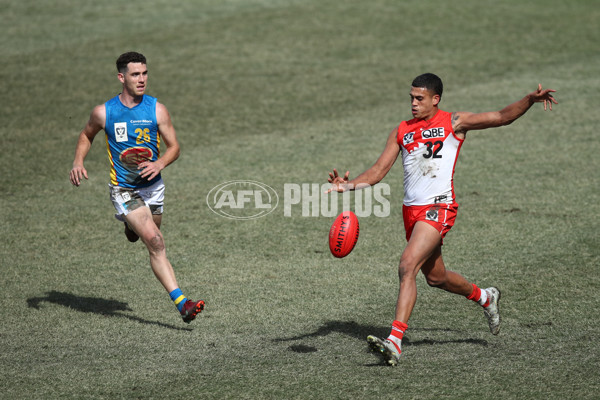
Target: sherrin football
<point>343,234</point>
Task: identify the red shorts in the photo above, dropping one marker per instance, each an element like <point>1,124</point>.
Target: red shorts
<point>440,216</point>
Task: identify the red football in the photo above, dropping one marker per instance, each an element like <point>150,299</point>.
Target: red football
<point>343,234</point>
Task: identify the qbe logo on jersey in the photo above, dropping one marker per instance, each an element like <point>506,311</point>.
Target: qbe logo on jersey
<point>242,199</point>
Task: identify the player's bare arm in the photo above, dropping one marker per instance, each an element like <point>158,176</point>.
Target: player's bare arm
<point>167,133</point>
<point>462,122</point>
<point>372,175</point>
<point>84,143</point>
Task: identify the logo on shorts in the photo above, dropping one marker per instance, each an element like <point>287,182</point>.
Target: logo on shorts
<point>432,215</point>
<point>125,197</point>
<point>440,199</point>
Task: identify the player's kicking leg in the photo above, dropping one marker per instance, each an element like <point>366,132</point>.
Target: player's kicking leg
<point>438,276</point>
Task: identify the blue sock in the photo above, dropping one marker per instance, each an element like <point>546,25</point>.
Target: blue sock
<point>178,298</point>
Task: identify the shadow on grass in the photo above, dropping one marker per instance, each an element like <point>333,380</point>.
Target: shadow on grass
<point>360,332</point>
<point>109,308</point>
<point>349,328</point>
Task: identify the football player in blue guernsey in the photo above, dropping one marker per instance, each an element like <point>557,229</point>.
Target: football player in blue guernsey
<point>135,124</point>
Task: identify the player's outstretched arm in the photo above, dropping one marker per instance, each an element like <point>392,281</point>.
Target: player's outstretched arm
<point>464,121</point>
<point>372,175</point>
<point>84,143</point>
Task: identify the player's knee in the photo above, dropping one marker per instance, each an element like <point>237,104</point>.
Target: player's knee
<point>406,269</point>
<point>155,243</point>
<point>435,281</point>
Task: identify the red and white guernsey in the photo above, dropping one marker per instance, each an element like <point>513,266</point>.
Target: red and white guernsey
<point>429,153</point>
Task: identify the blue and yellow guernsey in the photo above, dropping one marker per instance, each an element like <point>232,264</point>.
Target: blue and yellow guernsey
<point>131,138</point>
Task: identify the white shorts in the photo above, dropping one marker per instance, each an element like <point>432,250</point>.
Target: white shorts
<point>126,200</point>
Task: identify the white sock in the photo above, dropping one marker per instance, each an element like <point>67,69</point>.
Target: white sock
<point>483,298</point>
<point>396,341</point>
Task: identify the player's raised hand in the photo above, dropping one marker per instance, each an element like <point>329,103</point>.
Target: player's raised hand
<point>338,184</point>
<point>76,174</point>
<point>544,96</point>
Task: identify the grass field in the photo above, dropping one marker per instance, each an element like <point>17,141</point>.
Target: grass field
<point>282,92</point>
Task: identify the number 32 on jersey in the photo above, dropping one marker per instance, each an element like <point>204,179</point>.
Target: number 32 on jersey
<point>433,149</point>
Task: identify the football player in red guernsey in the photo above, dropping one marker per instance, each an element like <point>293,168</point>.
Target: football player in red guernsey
<point>429,144</point>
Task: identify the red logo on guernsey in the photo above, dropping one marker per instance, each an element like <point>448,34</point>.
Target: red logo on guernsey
<point>133,156</point>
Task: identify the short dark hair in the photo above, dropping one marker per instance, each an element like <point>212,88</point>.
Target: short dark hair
<point>430,82</point>
<point>127,58</point>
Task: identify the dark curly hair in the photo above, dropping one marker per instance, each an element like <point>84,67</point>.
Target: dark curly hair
<point>127,58</point>
<point>430,82</point>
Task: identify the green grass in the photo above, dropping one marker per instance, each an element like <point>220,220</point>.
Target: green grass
<point>281,92</point>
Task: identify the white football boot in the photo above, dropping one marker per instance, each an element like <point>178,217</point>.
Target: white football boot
<point>492,312</point>
<point>385,348</point>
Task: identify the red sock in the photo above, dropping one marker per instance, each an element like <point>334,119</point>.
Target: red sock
<point>398,329</point>
<point>476,296</point>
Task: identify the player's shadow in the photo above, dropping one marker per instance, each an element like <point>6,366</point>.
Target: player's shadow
<point>349,328</point>
<point>96,305</point>
<point>360,332</point>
